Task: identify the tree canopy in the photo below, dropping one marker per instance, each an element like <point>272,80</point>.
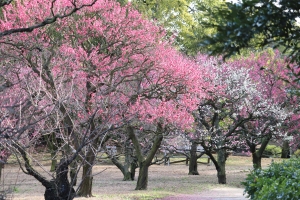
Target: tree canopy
<point>255,23</point>
<point>182,19</point>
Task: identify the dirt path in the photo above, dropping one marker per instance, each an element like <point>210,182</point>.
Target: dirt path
<point>164,181</point>
<point>223,193</point>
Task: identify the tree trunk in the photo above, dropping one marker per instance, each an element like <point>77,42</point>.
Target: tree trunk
<point>221,172</point>
<point>256,160</point>
<point>129,173</point>
<point>1,169</point>
<point>193,165</point>
<point>257,154</point>
<point>129,166</point>
<point>73,172</point>
<point>128,169</point>
<point>142,182</point>
<point>132,169</point>
<point>130,162</point>
<point>144,163</point>
<point>285,153</point>
<point>52,145</point>
<point>85,188</point>
<point>65,190</point>
<point>60,188</point>
<point>53,162</point>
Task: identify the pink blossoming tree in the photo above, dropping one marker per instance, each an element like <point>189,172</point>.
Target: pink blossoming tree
<point>102,68</point>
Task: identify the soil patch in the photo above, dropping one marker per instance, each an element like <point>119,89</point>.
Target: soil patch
<point>163,180</point>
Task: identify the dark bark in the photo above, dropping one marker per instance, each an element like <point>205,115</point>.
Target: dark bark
<point>256,160</point>
<point>221,172</point>
<point>285,153</point>
<point>60,188</point>
<point>52,145</point>
<point>53,162</point>
<point>1,168</point>
<point>130,163</point>
<point>219,162</point>
<point>133,167</point>
<point>73,172</point>
<point>85,188</point>
<point>57,189</point>
<point>128,169</point>
<point>257,154</point>
<point>65,190</point>
<point>193,165</point>
<point>142,182</point>
<point>144,163</point>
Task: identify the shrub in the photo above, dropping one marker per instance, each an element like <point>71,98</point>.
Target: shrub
<point>272,150</point>
<point>297,153</point>
<point>279,181</point>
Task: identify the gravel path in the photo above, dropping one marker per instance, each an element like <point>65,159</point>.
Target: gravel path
<point>213,194</point>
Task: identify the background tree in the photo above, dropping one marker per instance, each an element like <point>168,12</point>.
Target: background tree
<point>236,100</point>
<point>268,70</point>
<point>183,20</point>
<point>175,16</point>
<point>255,23</point>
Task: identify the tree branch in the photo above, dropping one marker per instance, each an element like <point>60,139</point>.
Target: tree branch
<point>44,22</point>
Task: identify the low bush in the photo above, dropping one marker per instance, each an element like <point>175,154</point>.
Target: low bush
<point>297,153</point>
<point>272,151</point>
<point>279,181</point>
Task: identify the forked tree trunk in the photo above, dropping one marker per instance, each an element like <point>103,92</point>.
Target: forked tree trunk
<point>144,163</point>
<point>257,154</point>
<point>221,172</point>
<point>193,165</point>
<point>128,169</point>
<point>129,166</point>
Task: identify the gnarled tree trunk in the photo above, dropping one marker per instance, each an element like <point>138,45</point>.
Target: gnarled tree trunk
<point>130,163</point>
<point>57,189</point>
<point>64,188</point>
